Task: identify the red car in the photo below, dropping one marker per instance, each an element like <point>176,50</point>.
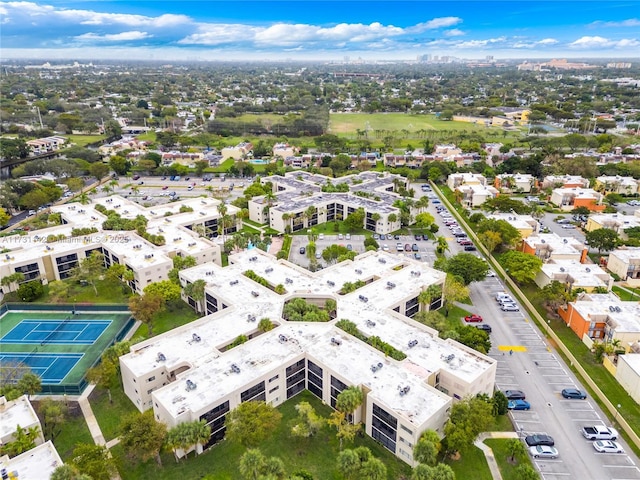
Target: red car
<point>473,318</point>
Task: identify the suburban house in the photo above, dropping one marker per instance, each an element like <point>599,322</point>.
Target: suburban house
<point>604,317</point>
<point>552,247</point>
<point>198,371</point>
<point>618,222</point>
<point>45,145</point>
<point>564,181</point>
<point>516,182</point>
<point>473,188</point>
<point>284,150</point>
<point>241,151</point>
<point>525,224</point>
<point>616,184</point>
<point>35,464</point>
<point>625,263</point>
<point>569,198</point>
<point>574,275</point>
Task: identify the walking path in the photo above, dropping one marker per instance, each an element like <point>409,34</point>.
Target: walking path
<point>488,452</point>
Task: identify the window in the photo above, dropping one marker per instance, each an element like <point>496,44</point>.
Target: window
<point>296,367</point>
<point>151,379</point>
<point>274,378</point>
<point>274,389</point>
<point>406,429</point>
<point>254,393</point>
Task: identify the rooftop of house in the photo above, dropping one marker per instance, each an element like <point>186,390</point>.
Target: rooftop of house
<point>607,307</point>
<point>521,222</point>
<point>617,180</point>
<point>393,279</point>
<point>34,464</point>
<point>14,413</point>
<point>478,189</point>
<point>565,179</point>
<point>518,177</point>
<point>631,359</point>
<point>554,242</point>
<point>627,254</point>
<point>578,192</point>
<point>582,275</point>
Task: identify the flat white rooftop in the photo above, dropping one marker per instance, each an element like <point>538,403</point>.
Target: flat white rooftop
<point>35,464</point>
<point>14,413</point>
<point>583,275</point>
<point>631,359</point>
<point>624,316</point>
<point>628,254</point>
<point>392,280</point>
<point>555,243</point>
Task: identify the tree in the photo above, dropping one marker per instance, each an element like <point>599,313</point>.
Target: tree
<point>252,422</point>
<point>187,435</point>
<point>345,430</point>
<point>360,463</point>
<point>500,403</point>
<point>252,464</point>
<point>490,239</point>
<point>554,294</point>
<point>603,239</point>
<point>89,270</point>
<point>23,439</point>
<point>427,449</point>
<point>98,170</point>
<point>4,217</point>
<point>424,220</point>
<point>441,471</point>
<point>58,290</point>
<point>145,307</point>
<point>334,252</point>
<point>504,203</point>
<point>29,384</point>
<point>516,449</point>
<point>468,267</point>
<point>349,399</point>
<point>94,461</point>
<point>522,267</point>
<point>53,415</point>
<point>195,290</point>
<point>509,235</point>
<point>68,472</point>
<point>30,291</point>
<point>141,436</point>
<point>355,220</point>
<point>526,472</point>
<point>441,245</point>
<point>308,421</point>
<point>468,418</point>
<point>613,199</point>
<point>474,338</point>
<point>166,289</point>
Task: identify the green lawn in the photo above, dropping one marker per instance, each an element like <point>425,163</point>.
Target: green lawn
<point>75,431</point>
<point>625,296</point>
<point>455,315</point>
<point>108,292</point>
<point>316,455</point>
<point>472,465</point>
<point>175,315</point>
<point>82,140</point>
<point>501,453</point>
<point>108,413</point>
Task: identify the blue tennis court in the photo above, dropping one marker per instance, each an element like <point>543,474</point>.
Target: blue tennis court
<point>52,367</point>
<point>56,332</point>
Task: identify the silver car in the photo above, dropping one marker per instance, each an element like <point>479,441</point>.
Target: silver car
<point>543,451</point>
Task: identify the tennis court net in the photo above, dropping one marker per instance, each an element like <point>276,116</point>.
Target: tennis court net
<point>56,331</point>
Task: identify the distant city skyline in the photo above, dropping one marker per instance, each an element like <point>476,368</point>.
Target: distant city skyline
<point>311,30</point>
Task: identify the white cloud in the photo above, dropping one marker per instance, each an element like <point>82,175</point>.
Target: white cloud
<point>595,42</point>
<point>454,33</point>
<point>116,37</point>
<point>439,23</point>
<point>547,41</point>
<point>631,22</point>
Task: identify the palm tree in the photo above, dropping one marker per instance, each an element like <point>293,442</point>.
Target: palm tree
<point>195,290</point>
<point>442,244</point>
<point>422,203</point>
<point>286,218</point>
<point>83,198</point>
<point>107,188</point>
<point>393,218</point>
<point>310,212</point>
<point>375,217</point>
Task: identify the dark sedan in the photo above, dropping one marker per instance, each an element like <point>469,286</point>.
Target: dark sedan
<point>574,393</point>
<point>541,439</point>
<point>514,395</point>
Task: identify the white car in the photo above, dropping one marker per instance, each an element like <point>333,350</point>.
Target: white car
<point>491,273</point>
<point>385,248</point>
<point>321,236</point>
<point>607,446</point>
<point>347,236</point>
<point>509,307</point>
<point>543,451</point>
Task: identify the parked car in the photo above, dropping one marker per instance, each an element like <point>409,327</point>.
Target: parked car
<point>568,226</point>
<point>543,451</point>
<point>573,393</point>
<point>417,256</point>
<point>321,236</point>
<point>518,405</point>
<point>491,273</point>
<point>349,247</point>
<point>607,446</point>
<point>469,248</point>
<point>473,318</point>
<point>136,177</point>
<point>510,307</point>
<point>347,236</point>
<point>340,236</point>
<point>418,237</point>
<point>514,395</point>
<point>407,247</point>
<point>399,247</point>
<point>385,248</point>
<point>539,439</point>
<point>414,247</point>
<point>485,327</point>
<point>599,432</point>
<point>165,187</point>
<point>303,250</point>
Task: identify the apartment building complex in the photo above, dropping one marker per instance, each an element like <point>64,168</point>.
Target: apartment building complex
<point>52,253</point>
<point>194,373</point>
<point>473,188</point>
<point>570,198</point>
<point>297,193</point>
<point>625,263</point>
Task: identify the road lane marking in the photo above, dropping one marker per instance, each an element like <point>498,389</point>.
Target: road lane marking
<point>515,348</point>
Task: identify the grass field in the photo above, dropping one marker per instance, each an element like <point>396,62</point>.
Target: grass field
<point>501,453</point>
<point>471,465</point>
<point>317,454</point>
<point>350,123</point>
<point>82,140</point>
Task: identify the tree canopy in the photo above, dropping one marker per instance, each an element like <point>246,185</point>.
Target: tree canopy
<point>252,422</point>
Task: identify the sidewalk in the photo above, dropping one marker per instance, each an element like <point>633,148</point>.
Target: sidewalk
<point>488,452</point>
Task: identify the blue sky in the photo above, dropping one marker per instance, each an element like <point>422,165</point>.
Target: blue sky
<point>327,30</point>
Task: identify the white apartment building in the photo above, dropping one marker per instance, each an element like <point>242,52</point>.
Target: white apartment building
<point>618,222</point>
<point>35,464</point>
<point>515,182</point>
<point>628,374</point>
<point>625,263</point>
<point>617,184</point>
<point>17,412</point>
<point>553,247</point>
<point>50,254</point>
<point>525,224</point>
<point>296,192</point>
<point>564,181</point>
<point>191,373</point>
<point>574,275</point>
<point>456,180</point>
<point>569,198</point>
